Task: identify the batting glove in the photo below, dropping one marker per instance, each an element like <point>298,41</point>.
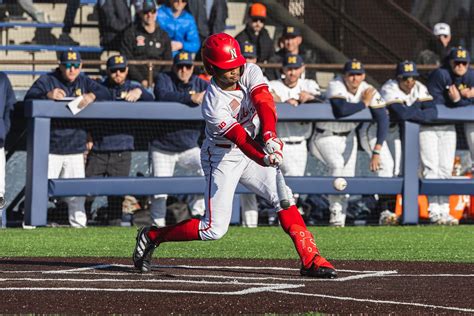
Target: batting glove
<point>274,159</point>
<point>272,142</point>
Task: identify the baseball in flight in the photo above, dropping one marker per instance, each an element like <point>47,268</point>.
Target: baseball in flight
<point>340,184</point>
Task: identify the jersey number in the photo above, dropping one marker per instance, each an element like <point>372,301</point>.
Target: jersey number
<point>222,125</point>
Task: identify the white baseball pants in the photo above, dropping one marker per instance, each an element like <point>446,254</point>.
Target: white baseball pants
<point>224,169</point>
<point>368,139</point>
<point>67,167</point>
<point>2,171</point>
<point>437,152</point>
<point>164,164</point>
<point>339,154</point>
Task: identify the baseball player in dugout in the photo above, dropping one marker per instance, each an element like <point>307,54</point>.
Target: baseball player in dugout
<point>453,85</point>
<point>294,91</point>
<point>291,42</point>
<point>110,144</point>
<point>68,140</point>
<point>177,142</point>
<point>407,99</point>
<point>335,143</point>
<point>145,40</point>
<point>7,103</point>
<point>237,104</point>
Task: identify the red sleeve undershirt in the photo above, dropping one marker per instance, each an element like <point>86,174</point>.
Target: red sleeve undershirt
<point>263,101</point>
<point>247,144</point>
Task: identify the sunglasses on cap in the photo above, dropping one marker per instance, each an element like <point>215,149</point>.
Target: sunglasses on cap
<point>117,70</point>
<point>70,65</point>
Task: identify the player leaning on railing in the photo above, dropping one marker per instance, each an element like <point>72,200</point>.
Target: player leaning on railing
<point>235,104</point>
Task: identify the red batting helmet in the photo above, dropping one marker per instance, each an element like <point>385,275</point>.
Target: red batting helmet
<point>222,51</point>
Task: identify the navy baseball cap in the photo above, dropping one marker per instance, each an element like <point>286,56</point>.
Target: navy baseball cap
<point>117,62</point>
<point>148,5</point>
<point>183,58</point>
<point>248,50</point>
<point>407,69</point>
<point>459,54</point>
<point>354,66</point>
<point>293,61</point>
<point>70,57</point>
<point>291,31</point>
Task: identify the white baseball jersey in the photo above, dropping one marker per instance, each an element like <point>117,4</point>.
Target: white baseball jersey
<point>294,131</point>
<point>337,89</point>
<point>222,110</point>
<point>392,93</point>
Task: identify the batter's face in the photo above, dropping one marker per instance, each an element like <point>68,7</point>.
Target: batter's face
<point>183,72</point>
<point>292,44</point>
<point>70,71</point>
<point>292,75</point>
<point>459,67</point>
<point>227,78</point>
<point>353,81</point>
<point>406,84</point>
<point>119,75</point>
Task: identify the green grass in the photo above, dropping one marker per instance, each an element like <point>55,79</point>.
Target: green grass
<point>410,243</point>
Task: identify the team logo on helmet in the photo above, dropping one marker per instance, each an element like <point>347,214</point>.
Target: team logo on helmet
<point>233,53</point>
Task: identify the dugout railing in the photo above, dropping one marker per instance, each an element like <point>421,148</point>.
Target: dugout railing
<point>38,188</point>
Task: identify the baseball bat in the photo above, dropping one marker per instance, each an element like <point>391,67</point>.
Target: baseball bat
<point>281,189</point>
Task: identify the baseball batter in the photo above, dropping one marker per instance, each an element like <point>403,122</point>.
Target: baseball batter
<point>335,143</point>
<point>237,103</point>
<point>451,84</point>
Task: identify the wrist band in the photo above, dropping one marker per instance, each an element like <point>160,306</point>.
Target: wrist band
<point>375,152</point>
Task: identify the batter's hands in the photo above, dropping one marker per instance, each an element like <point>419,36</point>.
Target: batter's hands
<point>274,159</point>
<point>367,96</point>
<point>272,142</point>
<point>56,94</point>
<point>454,94</point>
<point>133,95</point>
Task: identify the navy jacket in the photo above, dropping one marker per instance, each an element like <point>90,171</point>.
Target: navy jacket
<point>177,136</point>
<point>116,135</point>
<point>7,102</point>
<point>441,78</point>
<point>67,137</point>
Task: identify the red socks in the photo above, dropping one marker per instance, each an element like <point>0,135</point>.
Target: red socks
<point>293,224</point>
<point>289,217</point>
<point>183,231</point>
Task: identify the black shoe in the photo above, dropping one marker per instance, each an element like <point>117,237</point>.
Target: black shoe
<point>143,250</point>
<point>321,272</point>
<point>2,202</point>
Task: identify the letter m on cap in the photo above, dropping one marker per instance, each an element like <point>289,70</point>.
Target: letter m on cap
<point>118,59</point>
<point>461,54</point>
<point>71,56</point>
<point>183,56</point>
<point>356,65</point>
<point>408,67</point>
<point>233,53</point>
<point>292,59</point>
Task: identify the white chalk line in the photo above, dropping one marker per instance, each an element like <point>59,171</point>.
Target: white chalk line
<point>201,282</point>
<point>346,298</point>
<point>251,290</point>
